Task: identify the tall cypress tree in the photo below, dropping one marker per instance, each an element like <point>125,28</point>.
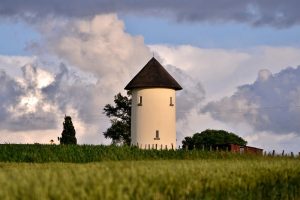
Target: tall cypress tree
<point>68,134</point>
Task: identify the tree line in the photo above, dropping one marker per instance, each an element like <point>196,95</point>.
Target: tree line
<point>119,131</point>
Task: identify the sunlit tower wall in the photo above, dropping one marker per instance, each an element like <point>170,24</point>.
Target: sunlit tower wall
<point>153,111</point>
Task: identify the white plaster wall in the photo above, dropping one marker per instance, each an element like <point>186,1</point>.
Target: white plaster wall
<point>154,114</point>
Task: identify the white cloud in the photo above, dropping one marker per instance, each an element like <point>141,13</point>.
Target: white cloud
<point>12,64</point>
<point>222,70</point>
<point>101,47</point>
<point>269,104</point>
<point>33,106</point>
<point>22,103</point>
<point>98,46</point>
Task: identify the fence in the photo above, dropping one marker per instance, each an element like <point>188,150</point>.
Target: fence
<point>156,146</point>
<point>273,153</point>
<point>226,148</point>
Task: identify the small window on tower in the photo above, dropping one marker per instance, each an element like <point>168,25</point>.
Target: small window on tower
<point>171,101</point>
<point>157,135</point>
<point>140,101</point>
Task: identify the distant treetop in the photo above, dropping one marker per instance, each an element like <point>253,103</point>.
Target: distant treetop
<point>210,138</point>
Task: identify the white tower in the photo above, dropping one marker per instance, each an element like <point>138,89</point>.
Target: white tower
<point>153,111</point>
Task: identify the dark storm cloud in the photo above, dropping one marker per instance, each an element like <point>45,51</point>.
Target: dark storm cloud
<point>271,103</point>
<point>275,13</point>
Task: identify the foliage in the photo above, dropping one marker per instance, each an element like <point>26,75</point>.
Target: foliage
<point>39,153</point>
<point>68,134</point>
<point>211,138</point>
<point>171,179</point>
<point>120,118</point>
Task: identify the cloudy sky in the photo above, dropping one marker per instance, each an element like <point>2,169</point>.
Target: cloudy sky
<point>236,60</point>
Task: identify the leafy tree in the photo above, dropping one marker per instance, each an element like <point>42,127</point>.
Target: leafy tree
<point>68,134</point>
<point>120,118</point>
<point>212,138</point>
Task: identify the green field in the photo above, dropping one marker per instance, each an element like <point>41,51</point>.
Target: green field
<point>130,173</point>
<point>97,153</point>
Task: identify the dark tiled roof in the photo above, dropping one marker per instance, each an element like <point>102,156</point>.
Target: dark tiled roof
<point>153,75</point>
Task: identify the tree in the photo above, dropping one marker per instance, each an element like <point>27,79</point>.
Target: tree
<point>120,118</point>
<point>68,134</point>
<point>212,138</point>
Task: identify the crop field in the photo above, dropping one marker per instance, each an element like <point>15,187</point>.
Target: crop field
<point>149,174</point>
<point>95,153</point>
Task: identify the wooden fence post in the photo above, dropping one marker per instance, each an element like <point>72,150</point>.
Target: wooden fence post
<point>202,147</point>
<point>172,146</point>
<point>282,153</point>
<point>156,146</point>
<point>273,153</point>
<point>292,154</point>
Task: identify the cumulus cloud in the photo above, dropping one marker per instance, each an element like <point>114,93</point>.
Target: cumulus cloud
<point>33,105</point>
<point>99,46</point>
<point>12,64</point>
<point>276,13</point>
<point>102,47</point>
<point>221,70</point>
<point>35,99</point>
<point>98,58</point>
<point>36,102</point>
<point>271,103</point>
<point>22,107</point>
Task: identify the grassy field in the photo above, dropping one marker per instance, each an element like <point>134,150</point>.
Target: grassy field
<point>109,172</point>
<point>97,153</point>
<point>165,179</point>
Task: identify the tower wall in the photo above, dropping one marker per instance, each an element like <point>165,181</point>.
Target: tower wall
<point>153,120</point>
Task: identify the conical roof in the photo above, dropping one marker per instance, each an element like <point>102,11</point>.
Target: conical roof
<point>153,75</point>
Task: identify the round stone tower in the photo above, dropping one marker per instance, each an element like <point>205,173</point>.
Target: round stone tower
<point>153,111</point>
